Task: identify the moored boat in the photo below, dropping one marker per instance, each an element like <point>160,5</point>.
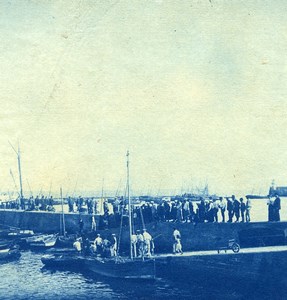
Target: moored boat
<point>123,267</point>
<point>66,241</point>
<point>42,241</point>
<point>63,261</point>
<point>11,252</point>
<point>20,234</point>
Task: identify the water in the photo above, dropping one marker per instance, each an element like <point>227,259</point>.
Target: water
<point>27,279</point>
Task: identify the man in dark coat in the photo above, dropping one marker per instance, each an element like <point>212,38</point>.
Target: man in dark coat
<point>276,208</point>
<point>230,209</point>
<point>236,207</point>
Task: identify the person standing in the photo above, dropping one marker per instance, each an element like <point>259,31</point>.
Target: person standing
<point>242,210</point>
<point>201,210</point>
<point>147,243</point>
<point>94,224</point>
<point>210,211</point>
<point>270,209</point>
<point>236,208</point>
<point>114,245</point>
<point>277,207</point>
<point>230,209</point>
<point>179,211</point>
<point>134,240</point>
<point>248,208</point>
<point>140,244</point>
<point>71,204</point>
<point>186,211</point>
<point>222,206</point>
<point>216,204</point>
<point>98,244</point>
<point>176,241</point>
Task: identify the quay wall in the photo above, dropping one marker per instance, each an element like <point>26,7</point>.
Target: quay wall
<point>44,222</point>
<point>252,272</point>
<point>202,236</point>
<point>208,236</point>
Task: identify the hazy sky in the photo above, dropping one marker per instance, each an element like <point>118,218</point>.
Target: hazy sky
<point>196,90</point>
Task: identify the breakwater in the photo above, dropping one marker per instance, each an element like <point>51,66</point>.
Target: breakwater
<point>202,236</point>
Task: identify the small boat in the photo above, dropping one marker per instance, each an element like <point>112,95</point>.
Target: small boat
<point>15,233</point>
<point>8,253</point>
<point>21,234</point>
<point>123,267</point>
<point>42,241</point>
<point>64,260</point>
<point>65,241</point>
<point>4,244</point>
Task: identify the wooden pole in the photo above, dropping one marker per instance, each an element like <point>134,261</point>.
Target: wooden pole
<point>63,215</point>
<point>20,173</point>
<point>129,204</point>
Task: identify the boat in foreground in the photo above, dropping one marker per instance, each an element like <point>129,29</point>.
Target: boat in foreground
<point>123,268</point>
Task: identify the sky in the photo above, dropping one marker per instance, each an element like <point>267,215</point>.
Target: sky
<point>195,90</point>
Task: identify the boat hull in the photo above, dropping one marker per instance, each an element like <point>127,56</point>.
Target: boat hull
<point>9,253</point>
<point>41,242</point>
<point>66,261</point>
<point>122,268</point>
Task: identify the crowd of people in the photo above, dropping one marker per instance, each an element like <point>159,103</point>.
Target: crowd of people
<point>111,211</point>
<point>205,210</point>
<point>31,204</point>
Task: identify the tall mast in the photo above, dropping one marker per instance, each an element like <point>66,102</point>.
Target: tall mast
<point>63,215</point>
<point>129,203</point>
<point>18,153</point>
<point>20,173</point>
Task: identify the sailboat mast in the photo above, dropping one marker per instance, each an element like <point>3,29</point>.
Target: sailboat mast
<point>19,169</point>
<point>63,215</point>
<point>129,203</point>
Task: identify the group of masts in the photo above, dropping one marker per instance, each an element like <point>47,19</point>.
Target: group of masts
<point>18,153</point>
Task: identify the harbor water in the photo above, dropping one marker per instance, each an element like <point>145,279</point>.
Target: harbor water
<point>26,278</point>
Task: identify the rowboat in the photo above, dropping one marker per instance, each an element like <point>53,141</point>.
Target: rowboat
<point>42,241</point>
<point>9,253</point>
